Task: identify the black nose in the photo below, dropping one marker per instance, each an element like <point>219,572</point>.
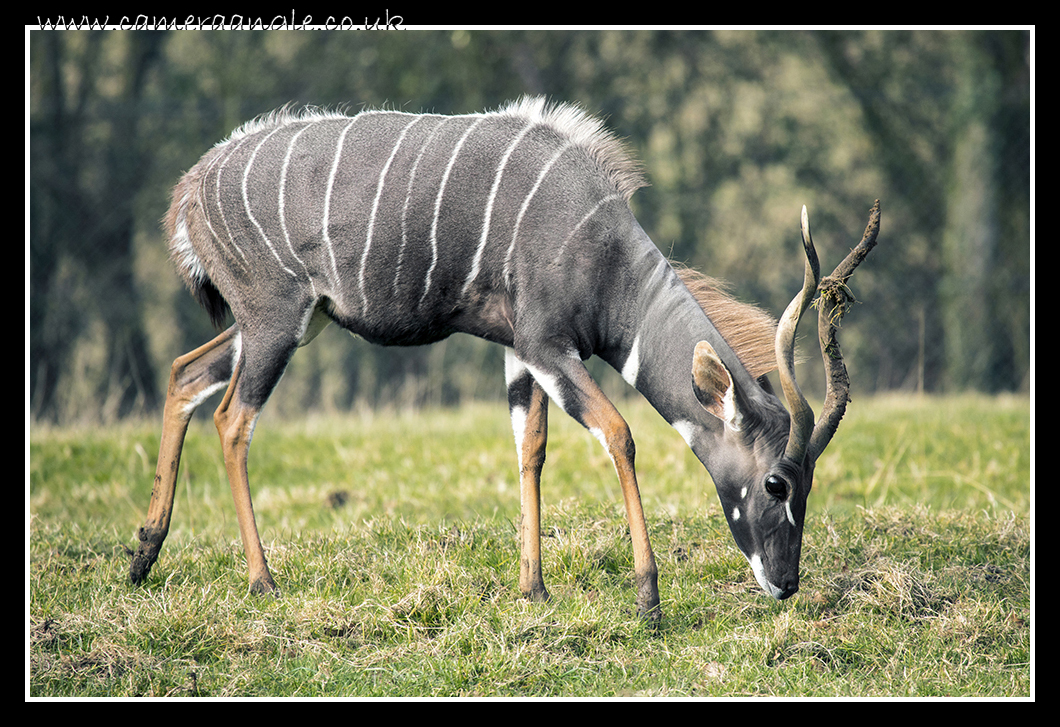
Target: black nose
<point>788,590</point>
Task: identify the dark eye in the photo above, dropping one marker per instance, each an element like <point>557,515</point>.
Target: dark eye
<point>776,487</point>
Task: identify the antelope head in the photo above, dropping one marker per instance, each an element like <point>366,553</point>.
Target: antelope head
<point>764,471</point>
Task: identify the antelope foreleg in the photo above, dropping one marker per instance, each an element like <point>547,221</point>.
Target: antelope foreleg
<point>193,378</point>
<point>528,405</point>
<point>604,421</point>
<point>573,389</point>
<point>531,460</point>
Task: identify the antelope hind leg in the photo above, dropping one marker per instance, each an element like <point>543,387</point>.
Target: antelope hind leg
<point>235,424</point>
<point>264,357</point>
<point>193,378</point>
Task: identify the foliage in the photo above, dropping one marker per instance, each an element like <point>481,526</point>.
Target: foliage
<point>737,129</point>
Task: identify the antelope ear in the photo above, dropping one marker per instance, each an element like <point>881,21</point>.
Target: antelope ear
<point>713,386</point>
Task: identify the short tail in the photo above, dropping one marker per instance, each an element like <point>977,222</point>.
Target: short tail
<point>180,228</point>
<point>210,298</point>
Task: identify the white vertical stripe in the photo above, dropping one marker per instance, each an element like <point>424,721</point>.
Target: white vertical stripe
<point>375,208</point>
<point>526,204</point>
<point>246,201</point>
<point>408,198</point>
<point>583,220</point>
<point>335,287</point>
<point>220,209</point>
<point>489,207</point>
<point>283,207</point>
<point>201,193</point>
<point>438,205</point>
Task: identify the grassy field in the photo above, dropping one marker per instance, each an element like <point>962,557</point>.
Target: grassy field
<point>393,540</point>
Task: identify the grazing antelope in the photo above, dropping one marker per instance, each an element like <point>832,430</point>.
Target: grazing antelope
<point>513,226</point>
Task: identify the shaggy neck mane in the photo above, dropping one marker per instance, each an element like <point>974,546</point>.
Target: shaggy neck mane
<point>749,330</point>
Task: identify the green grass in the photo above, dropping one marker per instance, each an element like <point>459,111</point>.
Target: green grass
<point>393,540</point>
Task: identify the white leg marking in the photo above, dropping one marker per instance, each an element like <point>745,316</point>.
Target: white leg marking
<point>375,208</point>
<point>548,382</point>
<point>438,205</point>
<point>519,429</point>
<point>246,201</point>
<point>599,434</point>
<point>252,427</point>
<point>191,406</point>
<point>631,367</point>
<point>202,396</point>
<point>327,206</point>
<point>526,204</point>
<point>513,367</point>
<point>314,321</point>
<point>489,207</point>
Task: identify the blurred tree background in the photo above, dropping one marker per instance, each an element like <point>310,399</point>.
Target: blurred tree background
<point>736,130</point>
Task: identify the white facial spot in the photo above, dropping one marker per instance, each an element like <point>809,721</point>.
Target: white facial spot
<point>735,514</point>
<point>743,493</point>
<point>760,576</point>
<point>787,509</point>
